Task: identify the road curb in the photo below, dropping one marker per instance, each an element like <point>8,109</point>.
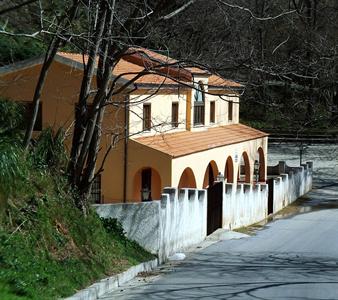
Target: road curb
<point>112,283</point>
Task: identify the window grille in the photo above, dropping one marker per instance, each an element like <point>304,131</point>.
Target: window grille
<point>199,105</point>
<point>146,117</point>
<point>95,195</point>
<point>230,110</point>
<point>174,114</point>
<point>212,112</point>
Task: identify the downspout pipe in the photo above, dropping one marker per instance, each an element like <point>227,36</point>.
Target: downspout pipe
<point>126,135</point>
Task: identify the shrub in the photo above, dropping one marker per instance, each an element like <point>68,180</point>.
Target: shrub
<point>14,169</point>
<point>14,49</point>
<point>11,119</point>
<point>115,227</point>
<point>49,151</point>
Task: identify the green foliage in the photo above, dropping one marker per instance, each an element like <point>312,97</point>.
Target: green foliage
<point>48,248</point>
<point>14,49</point>
<point>49,151</point>
<point>11,118</point>
<point>7,294</point>
<point>13,169</point>
<point>113,226</point>
<point>57,250</point>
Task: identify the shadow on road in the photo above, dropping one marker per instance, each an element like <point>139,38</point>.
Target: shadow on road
<point>245,276</point>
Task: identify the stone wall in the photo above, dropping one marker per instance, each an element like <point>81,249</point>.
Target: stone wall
<point>292,183</point>
<point>244,204</point>
<point>163,227</point>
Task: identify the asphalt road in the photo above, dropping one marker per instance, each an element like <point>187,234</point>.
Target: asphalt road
<point>295,256</point>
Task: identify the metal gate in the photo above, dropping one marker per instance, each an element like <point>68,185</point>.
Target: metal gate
<point>270,196</point>
<point>215,205</point>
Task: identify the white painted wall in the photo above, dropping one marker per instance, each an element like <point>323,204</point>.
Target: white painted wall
<point>244,204</point>
<point>221,110</point>
<point>163,227</point>
<point>160,112</point>
<point>140,220</point>
<point>179,219</point>
<point>199,161</point>
<point>289,187</point>
<point>184,217</point>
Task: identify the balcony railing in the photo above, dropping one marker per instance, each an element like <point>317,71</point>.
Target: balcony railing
<point>198,114</point>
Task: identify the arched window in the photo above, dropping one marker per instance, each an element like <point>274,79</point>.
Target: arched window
<point>229,170</point>
<point>244,169</point>
<point>187,179</point>
<point>199,99</point>
<point>210,174</point>
<point>147,185</point>
<point>259,174</point>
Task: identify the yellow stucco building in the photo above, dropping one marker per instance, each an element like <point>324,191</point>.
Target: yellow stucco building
<point>171,134</point>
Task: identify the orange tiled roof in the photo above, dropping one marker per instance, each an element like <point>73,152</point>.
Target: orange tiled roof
<point>155,56</point>
<point>188,142</point>
<point>217,81</point>
<point>127,68</point>
<point>137,60</point>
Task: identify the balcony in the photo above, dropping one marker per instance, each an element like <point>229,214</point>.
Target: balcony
<point>198,114</point>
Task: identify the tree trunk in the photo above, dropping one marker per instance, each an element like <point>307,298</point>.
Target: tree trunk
<point>81,121</point>
<point>53,47</point>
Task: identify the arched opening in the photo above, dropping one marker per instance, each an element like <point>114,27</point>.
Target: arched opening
<point>215,199</point>
<point>229,170</point>
<point>244,169</point>
<point>187,179</point>
<point>261,163</point>
<point>210,174</point>
<point>147,185</point>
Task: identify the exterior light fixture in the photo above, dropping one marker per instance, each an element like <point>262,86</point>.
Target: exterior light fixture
<point>145,194</point>
<point>256,169</point>
<point>220,177</point>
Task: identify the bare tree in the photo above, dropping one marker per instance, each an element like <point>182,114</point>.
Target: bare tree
<point>285,53</point>
<point>109,19</point>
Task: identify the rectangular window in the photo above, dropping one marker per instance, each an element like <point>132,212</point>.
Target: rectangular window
<point>146,117</point>
<point>174,114</point>
<point>95,195</point>
<point>230,110</point>
<point>212,112</point>
<point>28,113</point>
<point>198,113</point>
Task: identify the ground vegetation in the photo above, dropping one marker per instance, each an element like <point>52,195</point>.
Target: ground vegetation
<point>48,248</point>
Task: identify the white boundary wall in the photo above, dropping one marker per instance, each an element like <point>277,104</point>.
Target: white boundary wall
<point>179,219</point>
<point>244,204</point>
<point>293,183</point>
<point>163,227</point>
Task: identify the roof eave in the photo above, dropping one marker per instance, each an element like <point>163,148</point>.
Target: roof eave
<point>220,146</point>
<point>21,65</point>
<point>77,65</point>
<point>29,63</point>
<point>161,85</point>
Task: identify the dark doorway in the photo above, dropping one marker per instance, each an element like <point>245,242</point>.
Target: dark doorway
<point>210,175</point>
<point>270,196</point>
<point>146,184</point>
<point>215,205</point>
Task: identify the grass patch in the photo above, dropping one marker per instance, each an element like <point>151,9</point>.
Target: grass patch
<point>48,248</point>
